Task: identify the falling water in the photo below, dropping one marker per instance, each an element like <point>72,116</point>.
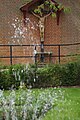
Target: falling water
<point>24,35</point>
<point>25,104</point>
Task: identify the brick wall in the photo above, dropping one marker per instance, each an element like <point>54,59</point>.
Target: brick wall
<point>11,17</point>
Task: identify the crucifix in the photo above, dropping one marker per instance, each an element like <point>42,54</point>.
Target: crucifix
<point>41,9</point>
<point>41,24</point>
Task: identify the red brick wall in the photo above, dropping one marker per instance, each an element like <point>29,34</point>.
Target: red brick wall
<point>68,30</point>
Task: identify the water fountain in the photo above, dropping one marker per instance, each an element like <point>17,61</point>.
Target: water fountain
<point>24,35</point>
<point>26,105</point>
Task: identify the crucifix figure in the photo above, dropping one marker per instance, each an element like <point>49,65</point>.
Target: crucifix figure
<point>41,28</point>
<point>41,24</point>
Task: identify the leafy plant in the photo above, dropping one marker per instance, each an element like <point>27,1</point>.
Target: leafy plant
<point>50,7</point>
<point>48,76</point>
<point>26,105</point>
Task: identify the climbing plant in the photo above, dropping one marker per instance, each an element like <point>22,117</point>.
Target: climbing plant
<point>50,7</point>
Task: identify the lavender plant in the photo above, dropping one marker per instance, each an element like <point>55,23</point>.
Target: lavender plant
<point>27,105</point>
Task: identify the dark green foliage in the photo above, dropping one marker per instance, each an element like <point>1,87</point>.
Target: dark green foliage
<point>70,74</point>
<point>10,77</point>
<point>56,75</point>
<point>48,76</point>
<point>6,80</point>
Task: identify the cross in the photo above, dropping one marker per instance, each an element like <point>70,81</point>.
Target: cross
<point>41,24</point>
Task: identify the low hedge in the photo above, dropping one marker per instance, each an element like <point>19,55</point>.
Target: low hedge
<point>48,76</point>
<point>59,75</point>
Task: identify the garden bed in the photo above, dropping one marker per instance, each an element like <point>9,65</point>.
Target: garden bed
<point>65,105</point>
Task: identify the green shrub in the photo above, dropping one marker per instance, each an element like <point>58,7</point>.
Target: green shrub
<point>48,76</point>
<point>6,80</point>
<point>11,77</point>
<point>70,74</point>
<point>59,75</point>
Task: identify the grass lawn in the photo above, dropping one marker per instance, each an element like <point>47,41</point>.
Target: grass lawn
<point>69,109</point>
<point>66,109</point>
